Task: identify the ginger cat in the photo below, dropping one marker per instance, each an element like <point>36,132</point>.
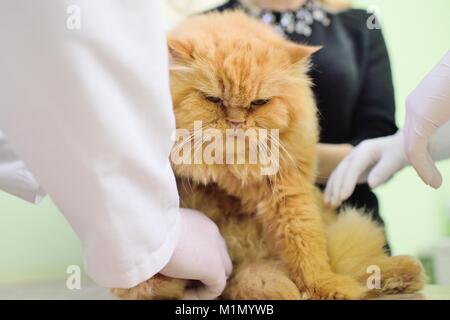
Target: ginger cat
<point>230,71</point>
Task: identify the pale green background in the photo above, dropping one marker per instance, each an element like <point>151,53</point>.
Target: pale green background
<point>37,243</point>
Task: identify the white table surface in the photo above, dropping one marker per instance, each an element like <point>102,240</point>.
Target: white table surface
<point>58,290</point>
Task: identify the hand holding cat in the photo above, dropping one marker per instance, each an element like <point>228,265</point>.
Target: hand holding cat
<point>201,254</point>
<point>428,108</point>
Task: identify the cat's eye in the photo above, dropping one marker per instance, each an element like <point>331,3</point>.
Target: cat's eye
<point>260,102</point>
<point>213,99</point>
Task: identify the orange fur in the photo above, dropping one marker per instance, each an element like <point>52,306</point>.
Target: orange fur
<point>284,243</point>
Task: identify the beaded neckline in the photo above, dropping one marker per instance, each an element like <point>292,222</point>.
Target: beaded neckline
<point>292,21</point>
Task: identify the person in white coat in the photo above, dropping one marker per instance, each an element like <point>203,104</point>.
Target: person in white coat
<point>88,110</point>
<point>424,139</point>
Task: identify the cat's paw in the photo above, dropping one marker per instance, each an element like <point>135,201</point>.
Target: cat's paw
<point>158,287</point>
<point>400,274</point>
<point>336,287</point>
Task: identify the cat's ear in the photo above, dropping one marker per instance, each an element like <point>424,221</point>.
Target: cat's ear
<point>301,53</point>
<point>180,51</point>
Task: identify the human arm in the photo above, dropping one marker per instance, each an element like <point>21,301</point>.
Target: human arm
<point>374,115</point>
<point>376,160</point>
<point>329,157</point>
<point>374,107</point>
<point>427,109</point>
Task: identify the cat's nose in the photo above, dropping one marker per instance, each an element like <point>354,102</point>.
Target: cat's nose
<point>236,124</point>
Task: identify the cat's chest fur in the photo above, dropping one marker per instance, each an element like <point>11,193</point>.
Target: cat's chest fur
<point>249,194</point>
<point>234,208</point>
<point>243,184</point>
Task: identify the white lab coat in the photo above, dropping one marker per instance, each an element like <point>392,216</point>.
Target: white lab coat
<point>89,111</point>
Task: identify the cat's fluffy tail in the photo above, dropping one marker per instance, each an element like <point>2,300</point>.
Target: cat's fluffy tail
<point>354,239</point>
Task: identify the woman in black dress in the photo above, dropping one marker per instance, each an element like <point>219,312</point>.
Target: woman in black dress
<point>351,75</point>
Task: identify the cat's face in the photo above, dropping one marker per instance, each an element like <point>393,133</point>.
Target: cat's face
<point>230,82</point>
<point>231,72</point>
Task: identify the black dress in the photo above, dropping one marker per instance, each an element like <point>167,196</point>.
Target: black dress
<point>352,84</point>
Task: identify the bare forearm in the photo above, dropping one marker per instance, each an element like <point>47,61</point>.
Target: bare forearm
<point>330,155</point>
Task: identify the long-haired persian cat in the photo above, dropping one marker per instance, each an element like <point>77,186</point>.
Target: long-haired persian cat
<point>230,72</point>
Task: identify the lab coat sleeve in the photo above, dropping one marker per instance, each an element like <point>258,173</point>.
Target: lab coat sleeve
<point>85,102</point>
<point>15,178</point>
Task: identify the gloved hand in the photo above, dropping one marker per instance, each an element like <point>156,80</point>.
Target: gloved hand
<point>373,160</point>
<point>201,254</point>
<point>428,108</point>
<point>376,160</point>
<point>15,178</point>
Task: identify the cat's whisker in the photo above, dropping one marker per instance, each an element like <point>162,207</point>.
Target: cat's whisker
<point>198,146</point>
<point>266,150</point>
<point>189,183</point>
<point>281,146</point>
<point>178,146</point>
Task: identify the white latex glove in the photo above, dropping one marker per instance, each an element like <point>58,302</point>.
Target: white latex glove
<point>201,254</point>
<point>428,108</point>
<point>15,178</point>
<point>374,160</point>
